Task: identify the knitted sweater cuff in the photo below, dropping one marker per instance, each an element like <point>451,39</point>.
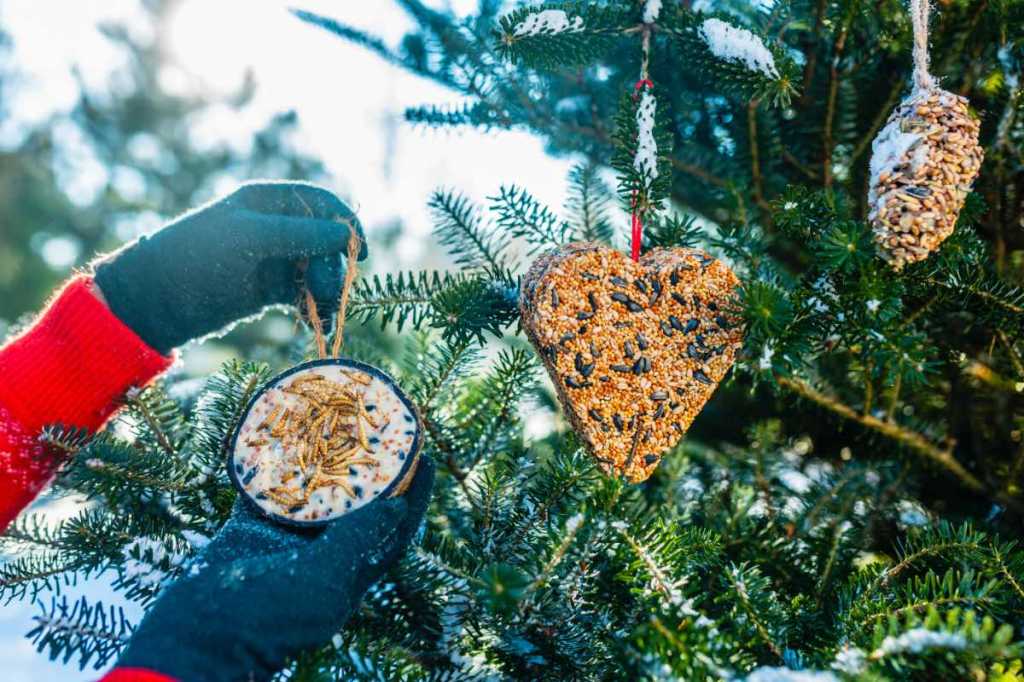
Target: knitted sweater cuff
<point>74,363</point>
<point>135,675</point>
<point>69,368</point>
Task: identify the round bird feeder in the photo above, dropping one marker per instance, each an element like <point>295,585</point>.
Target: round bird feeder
<point>325,438</point>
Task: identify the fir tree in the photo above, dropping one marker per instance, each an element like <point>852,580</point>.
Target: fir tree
<point>865,524</point>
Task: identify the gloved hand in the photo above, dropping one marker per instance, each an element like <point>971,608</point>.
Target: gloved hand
<point>228,260</point>
<point>264,592</point>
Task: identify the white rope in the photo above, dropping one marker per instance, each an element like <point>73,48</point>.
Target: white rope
<point>919,11</point>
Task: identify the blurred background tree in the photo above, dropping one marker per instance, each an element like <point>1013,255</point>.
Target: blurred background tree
<point>142,142</point>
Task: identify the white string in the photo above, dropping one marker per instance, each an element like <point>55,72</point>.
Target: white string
<point>919,11</point>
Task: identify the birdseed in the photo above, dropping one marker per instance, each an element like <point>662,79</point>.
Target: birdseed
<point>643,348</point>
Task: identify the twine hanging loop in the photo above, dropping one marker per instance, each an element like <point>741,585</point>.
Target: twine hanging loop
<point>919,12</point>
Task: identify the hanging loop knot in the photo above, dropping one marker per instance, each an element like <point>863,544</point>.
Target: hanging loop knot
<point>641,85</point>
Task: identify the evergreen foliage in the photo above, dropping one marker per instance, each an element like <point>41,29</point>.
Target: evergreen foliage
<point>847,507</point>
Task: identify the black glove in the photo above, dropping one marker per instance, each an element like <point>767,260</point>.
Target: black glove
<point>262,592</point>
<point>228,260</point>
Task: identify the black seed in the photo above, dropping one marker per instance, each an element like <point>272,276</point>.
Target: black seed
<point>592,297</point>
<point>618,281</point>
<point>621,368</point>
<point>646,365</point>
<point>655,297</point>
<point>625,300</point>
<point>572,383</point>
<point>641,341</point>
<point>675,322</point>
<point>604,378</point>
<point>604,428</point>
<point>374,440</point>
<point>673,405</point>
<point>691,325</point>
<point>296,508</point>
<point>917,191</point>
<point>370,408</point>
<point>639,284</point>
<point>674,277</point>
<point>578,362</point>
<point>554,298</point>
<point>700,341</point>
<point>587,369</point>
<point>628,349</point>
<point>702,377</point>
<point>238,467</point>
<point>660,412</point>
<point>566,337</point>
<point>595,415</point>
<point>677,427</point>
<point>593,350</point>
<point>617,420</point>
<point>721,322</point>
<point>680,391</point>
<point>584,316</point>
<point>718,350</point>
<point>656,284</point>
<point>357,490</point>
<point>632,422</point>
<point>650,459</point>
<point>260,496</point>
<point>638,366</point>
<point>247,479</point>
<point>623,325</point>
<point>352,472</point>
<point>678,298</point>
<point>692,352</point>
<point>696,302</point>
<point>582,330</point>
<point>713,306</point>
<point>665,328</point>
<point>659,395</point>
<point>591,276</point>
<point>647,437</point>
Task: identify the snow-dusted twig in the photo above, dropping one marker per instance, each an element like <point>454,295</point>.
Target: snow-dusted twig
<point>547,22</point>
<point>738,45</point>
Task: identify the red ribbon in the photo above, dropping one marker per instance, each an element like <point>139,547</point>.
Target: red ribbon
<point>638,233</point>
<point>637,237</point>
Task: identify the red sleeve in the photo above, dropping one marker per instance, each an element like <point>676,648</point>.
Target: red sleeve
<point>70,367</point>
<point>135,675</point>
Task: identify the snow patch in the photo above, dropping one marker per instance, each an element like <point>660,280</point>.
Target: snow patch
<point>646,161</point>
<point>767,674</point>
<point>651,10</point>
<point>547,22</point>
<point>850,661</point>
<point>917,640</point>
<point>872,305</point>
<point>735,44</point>
<point>145,559</point>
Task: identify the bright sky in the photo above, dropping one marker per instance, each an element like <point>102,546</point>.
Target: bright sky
<point>347,102</point>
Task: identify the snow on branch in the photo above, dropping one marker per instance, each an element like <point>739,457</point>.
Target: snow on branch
<point>547,22</point>
<point>646,160</point>
<point>651,10</point>
<point>738,45</point>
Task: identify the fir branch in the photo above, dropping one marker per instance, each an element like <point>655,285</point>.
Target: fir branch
<point>459,228</point>
<point>524,217</point>
<point>89,632</point>
<point>912,440</point>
